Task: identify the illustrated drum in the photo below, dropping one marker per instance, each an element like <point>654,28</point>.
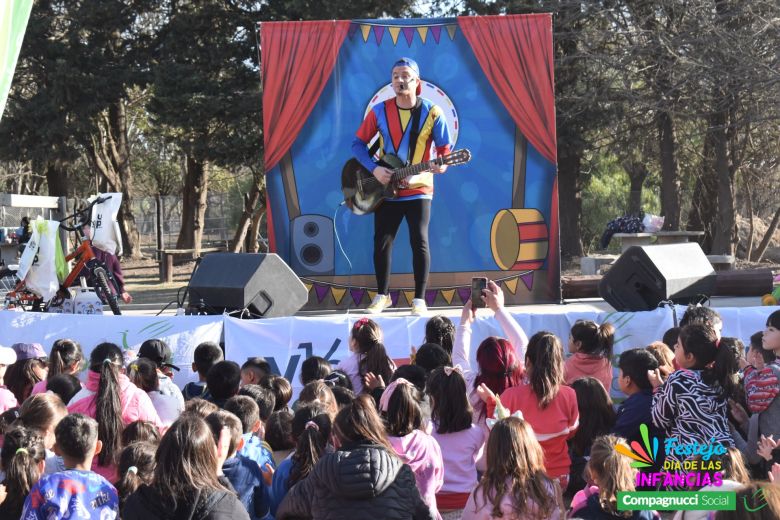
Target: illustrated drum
<point>519,239</point>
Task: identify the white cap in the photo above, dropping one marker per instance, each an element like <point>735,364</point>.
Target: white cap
<point>7,356</point>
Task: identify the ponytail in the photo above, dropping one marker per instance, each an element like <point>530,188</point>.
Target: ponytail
<point>106,360</point>
<point>64,354</point>
<point>136,467</point>
<point>20,457</point>
<point>595,340</point>
<point>718,363</point>
<point>311,427</point>
<point>376,361</point>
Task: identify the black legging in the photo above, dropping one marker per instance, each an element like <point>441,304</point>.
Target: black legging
<point>387,219</point>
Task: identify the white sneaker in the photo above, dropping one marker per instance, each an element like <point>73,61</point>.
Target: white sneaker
<point>419,307</point>
<point>379,303</point>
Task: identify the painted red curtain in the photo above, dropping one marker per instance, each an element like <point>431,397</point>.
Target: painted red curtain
<point>515,53</point>
<point>297,60</point>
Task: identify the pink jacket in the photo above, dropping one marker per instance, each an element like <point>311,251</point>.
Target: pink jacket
<point>39,387</point>
<point>477,508</point>
<point>462,452</point>
<point>584,365</point>
<point>422,453</point>
<point>136,406</point>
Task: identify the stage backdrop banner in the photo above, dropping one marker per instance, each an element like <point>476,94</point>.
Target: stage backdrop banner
<point>181,333</point>
<point>493,79</point>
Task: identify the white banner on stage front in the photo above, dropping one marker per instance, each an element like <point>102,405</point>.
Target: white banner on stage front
<point>181,333</point>
<point>286,342</point>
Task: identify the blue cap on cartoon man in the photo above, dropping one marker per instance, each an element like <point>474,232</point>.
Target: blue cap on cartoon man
<point>409,62</point>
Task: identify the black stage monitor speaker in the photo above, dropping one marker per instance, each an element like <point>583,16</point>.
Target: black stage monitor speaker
<point>262,283</point>
<point>644,276</point>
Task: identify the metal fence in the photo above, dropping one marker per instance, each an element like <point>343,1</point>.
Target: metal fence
<point>222,213</point>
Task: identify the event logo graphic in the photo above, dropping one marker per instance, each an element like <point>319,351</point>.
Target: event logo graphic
<point>643,457</point>
<point>686,465</point>
<point>153,330</point>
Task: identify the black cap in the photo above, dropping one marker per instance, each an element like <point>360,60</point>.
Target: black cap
<point>157,351</point>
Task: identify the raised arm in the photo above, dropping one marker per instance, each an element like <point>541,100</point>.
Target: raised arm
<point>494,299</point>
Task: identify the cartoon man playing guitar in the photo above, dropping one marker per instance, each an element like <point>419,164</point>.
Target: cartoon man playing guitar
<point>408,126</point>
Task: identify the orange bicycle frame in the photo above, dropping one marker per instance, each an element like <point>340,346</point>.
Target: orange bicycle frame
<point>83,254</point>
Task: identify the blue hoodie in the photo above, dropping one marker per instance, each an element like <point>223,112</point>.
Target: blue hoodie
<point>247,479</point>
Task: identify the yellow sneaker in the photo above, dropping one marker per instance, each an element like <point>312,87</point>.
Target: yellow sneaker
<point>379,303</point>
<point>419,307</point>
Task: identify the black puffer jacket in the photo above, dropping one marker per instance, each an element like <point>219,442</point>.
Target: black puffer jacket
<point>358,481</point>
<point>147,504</point>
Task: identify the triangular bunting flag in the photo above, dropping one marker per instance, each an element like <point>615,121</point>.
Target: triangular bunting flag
<point>371,295</point>
<point>394,297</point>
<point>357,295</point>
<point>528,280</point>
<point>321,291</point>
<point>409,35</point>
<point>423,32</point>
<point>394,32</point>
<point>379,31</point>
<point>511,285</point>
<point>338,294</point>
<point>409,295</point>
<point>436,32</point>
<point>308,287</point>
<point>365,31</point>
<point>451,31</point>
<point>430,296</point>
<point>448,295</point>
<point>464,293</point>
<point>353,27</point>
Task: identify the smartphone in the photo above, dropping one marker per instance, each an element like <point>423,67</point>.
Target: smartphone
<point>477,285</point>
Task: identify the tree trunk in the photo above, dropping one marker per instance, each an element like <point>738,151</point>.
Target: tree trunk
<point>193,215</point>
<point>767,236</point>
<point>57,178</point>
<point>670,177</point>
<point>723,238</point>
<point>637,173</point>
<point>131,238</point>
<point>570,196</point>
<point>247,224</point>
<point>751,213</point>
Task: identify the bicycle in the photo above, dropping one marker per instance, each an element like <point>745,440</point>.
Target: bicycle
<point>86,262</point>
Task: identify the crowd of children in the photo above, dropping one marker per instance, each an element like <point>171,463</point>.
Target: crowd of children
<point>525,433</point>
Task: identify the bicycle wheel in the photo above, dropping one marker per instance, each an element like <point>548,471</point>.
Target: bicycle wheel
<point>103,291</point>
<point>8,282</point>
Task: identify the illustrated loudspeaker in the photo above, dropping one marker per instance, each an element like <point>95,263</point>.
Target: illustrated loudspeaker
<point>644,276</point>
<point>261,283</point>
<point>313,251</point>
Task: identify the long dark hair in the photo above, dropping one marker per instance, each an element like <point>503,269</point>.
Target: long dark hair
<point>719,366</point>
<point>20,456</point>
<point>64,354</point>
<point>311,427</point>
<point>136,467</point>
<point>403,414</point>
<point>107,361</point>
<point>440,330</point>
<point>450,408</point>
<point>373,356</point>
<point>599,419</point>
<point>595,340</point>
<point>515,467</point>
<point>360,422</point>
<point>314,368</point>
<point>544,363</point>
<point>186,460</point>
